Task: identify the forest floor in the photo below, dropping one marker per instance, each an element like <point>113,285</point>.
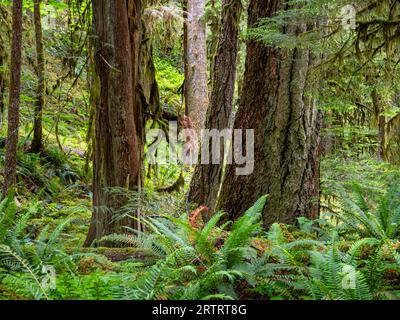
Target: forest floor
<point>55,193</point>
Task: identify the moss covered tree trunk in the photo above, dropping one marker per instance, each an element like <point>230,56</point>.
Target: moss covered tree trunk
<point>2,78</point>
<point>380,120</point>
<point>144,81</point>
<point>10,165</point>
<point>286,123</point>
<point>206,180</point>
<point>37,142</point>
<point>3,59</point>
<point>135,11</point>
<point>116,156</point>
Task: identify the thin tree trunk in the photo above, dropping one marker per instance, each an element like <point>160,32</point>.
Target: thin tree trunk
<point>135,9</point>
<point>382,138</point>
<point>185,55</point>
<point>144,84</point>
<point>93,88</point>
<point>196,77</point>
<point>37,142</point>
<point>378,105</point>
<point>206,180</point>
<point>10,165</point>
<point>286,125</point>
<point>2,78</point>
<point>116,155</point>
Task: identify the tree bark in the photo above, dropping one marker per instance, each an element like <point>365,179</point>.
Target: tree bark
<point>3,59</point>
<point>206,180</point>
<point>144,84</point>
<point>10,165</point>
<point>2,78</point>
<point>37,142</point>
<point>116,155</point>
<point>185,55</point>
<point>380,121</point>
<point>286,125</point>
<point>196,77</point>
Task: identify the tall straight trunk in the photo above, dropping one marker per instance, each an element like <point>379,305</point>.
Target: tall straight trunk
<point>185,55</point>
<point>37,142</point>
<point>2,78</point>
<point>3,59</point>
<point>382,138</point>
<point>196,77</point>
<point>10,165</point>
<point>93,87</point>
<point>135,8</point>
<point>116,156</point>
<point>206,180</point>
<point>379,108</point>
<point>144,80</point>
<point>286,125</point>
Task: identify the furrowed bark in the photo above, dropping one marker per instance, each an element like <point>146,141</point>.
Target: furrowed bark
<point>286,124</point>
<point>116,155</point>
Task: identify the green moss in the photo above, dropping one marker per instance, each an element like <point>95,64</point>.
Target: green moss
<point>119,254</point>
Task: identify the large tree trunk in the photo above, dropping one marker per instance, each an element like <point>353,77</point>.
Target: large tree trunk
<point>206,180</point>
<point>37,142</point>
<point>286,125</point>
<point>196,56</point>
<point>116,157</point>
<point>10,165</point>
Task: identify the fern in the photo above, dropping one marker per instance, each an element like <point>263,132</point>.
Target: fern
<point>381,222</point>
<point>30,271</point>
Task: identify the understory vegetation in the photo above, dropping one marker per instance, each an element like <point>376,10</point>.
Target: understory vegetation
<point>351,252</point>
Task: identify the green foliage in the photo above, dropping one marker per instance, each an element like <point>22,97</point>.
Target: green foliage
<point>380,219</point>
<point>214,263</point>
<point>193,266</point>
<point>169,81</point>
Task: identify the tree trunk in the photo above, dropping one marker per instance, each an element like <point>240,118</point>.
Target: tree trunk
<point>286,125</point>
<point>378,105</point>
<point>10,165</point>
<point>116,156</point>
<point>37,142</point>
<point>196,77</point>
<point>2,78</point>
<point>206,180</point>
<point>136,31</point>
<point>3,59</point>
<point>381,138</point>
<point>185,55</point>
<point>144,84</point>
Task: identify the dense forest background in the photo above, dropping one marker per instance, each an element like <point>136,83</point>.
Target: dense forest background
<point>88,212</point>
